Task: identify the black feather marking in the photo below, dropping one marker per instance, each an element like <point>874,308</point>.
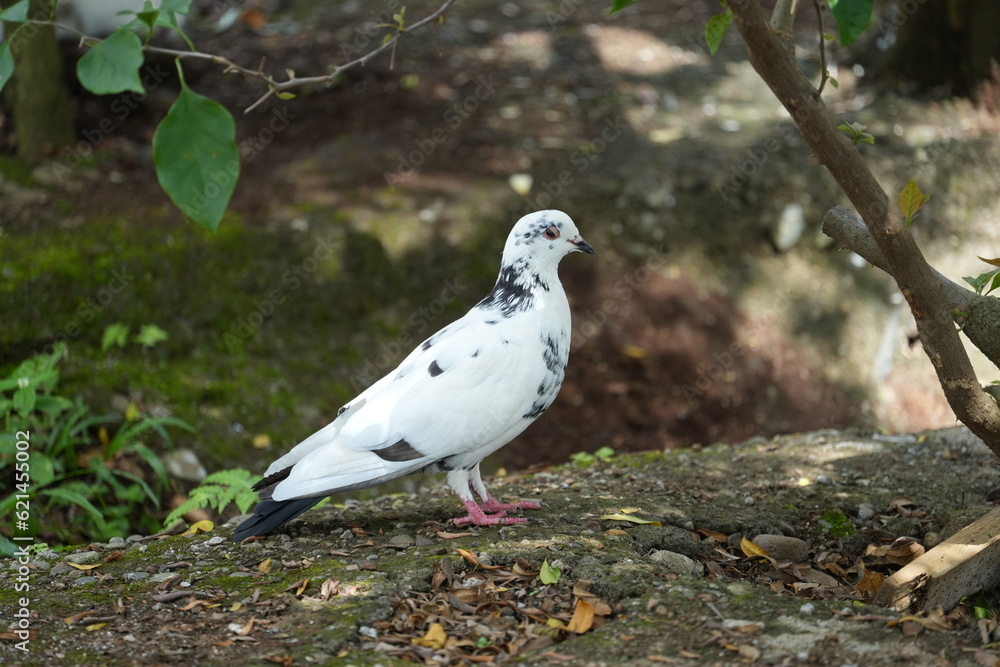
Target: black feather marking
<point>273,479</point>
<point>434,369</point>
<point>537,408</point>
<point>426,345</point>
<point>269,515</point>
<point>401,451</point>
<point>492,321</point>
<point>514,289</point>
<point>342,410</point>
<point>551,355</point>
<point>475,354</point>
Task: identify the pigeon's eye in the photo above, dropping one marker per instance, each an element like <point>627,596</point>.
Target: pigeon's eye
<point>551,233</point>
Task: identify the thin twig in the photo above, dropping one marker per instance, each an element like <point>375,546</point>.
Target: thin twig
<point>273,85</point>
<point>822,47</point>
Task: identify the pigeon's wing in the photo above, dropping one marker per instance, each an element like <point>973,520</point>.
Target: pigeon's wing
<point>328,433</point>
<point>461,397</point>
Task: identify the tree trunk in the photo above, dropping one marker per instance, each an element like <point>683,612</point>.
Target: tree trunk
<point>778,68</point>
<point>38,94</point>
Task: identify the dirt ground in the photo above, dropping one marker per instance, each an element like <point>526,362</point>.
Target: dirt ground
<point>635,560</point>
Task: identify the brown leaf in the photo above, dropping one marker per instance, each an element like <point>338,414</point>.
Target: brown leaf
<point>265,566</point>
<point>299,586</point>
<point>117,554</point>
<point>713,535</point>
<point>472,558</point>
<point>583,617</point>
<point>444,535</point>
<point>870,583</point>
<point>245,630</point>
<point>581,588</point>
<point>224,644</point>
<point>284,660</point>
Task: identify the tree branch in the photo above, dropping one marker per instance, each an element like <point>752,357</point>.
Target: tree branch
<point>978,315</point>
<point>274,86</point>
<point>973,406</point>
<point>783,21</point>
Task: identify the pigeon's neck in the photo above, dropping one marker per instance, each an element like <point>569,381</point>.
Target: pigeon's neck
<point>522,286</point>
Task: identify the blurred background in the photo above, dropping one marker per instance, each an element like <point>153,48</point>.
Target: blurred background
<point>371,213</point>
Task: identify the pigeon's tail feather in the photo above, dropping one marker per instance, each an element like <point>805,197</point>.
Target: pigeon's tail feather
<point>269,515</point>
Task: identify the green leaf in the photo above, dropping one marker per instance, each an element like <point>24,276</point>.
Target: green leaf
<point>196,157</point>
<point>114,334</point>
<point>112,66</point>
<point>618,5</point>
<point>16,13</point>
<point>6,64</point>
<point>42,469</point>
<point>549,575</point>
<point>716,29</point>
<point>911,199</point>
<point>24,400</point>
<point>72,497</point>
<point>150,334</point>
<point>852,17</point>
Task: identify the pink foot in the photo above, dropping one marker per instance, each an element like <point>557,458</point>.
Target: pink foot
<point>477,517</point>
<point>492,505</point>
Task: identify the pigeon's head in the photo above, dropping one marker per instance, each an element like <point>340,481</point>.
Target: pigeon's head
<point>544,236</point>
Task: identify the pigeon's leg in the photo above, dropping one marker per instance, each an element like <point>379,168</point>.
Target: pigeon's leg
<point>461,484</point>
<point>491,504</point>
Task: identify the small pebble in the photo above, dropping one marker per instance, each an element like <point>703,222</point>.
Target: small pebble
<point>135,576</point>
<point>83,557</point>
<point>783,548</point>
<point>866,511</point>
<point>676,563</point>
<point>85,580</point>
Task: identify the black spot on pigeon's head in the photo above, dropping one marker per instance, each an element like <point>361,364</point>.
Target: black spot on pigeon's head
<point>544,237</point>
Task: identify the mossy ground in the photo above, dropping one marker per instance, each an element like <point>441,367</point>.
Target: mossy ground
<point>385,552</point>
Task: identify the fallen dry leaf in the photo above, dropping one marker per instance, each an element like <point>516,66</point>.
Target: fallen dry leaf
<point>753,550</point>
<point>472,558</point>
<point>629,518</point>
<point>265,566</point>
<point>444,535</point>
<point>435,637</point>
<point>89,566</point>
<point>95,626</point>
<point>583,617</point>
<point>199,527</point>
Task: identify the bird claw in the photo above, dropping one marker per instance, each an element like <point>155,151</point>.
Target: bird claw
<point>494,506</point>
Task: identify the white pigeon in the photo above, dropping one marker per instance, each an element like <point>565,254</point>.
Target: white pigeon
<point>462,394</point>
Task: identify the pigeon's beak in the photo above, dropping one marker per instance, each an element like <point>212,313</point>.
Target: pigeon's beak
<point>582,245</point>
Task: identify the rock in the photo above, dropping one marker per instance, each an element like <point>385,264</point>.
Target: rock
<point>117,543</point>
<point>783,548</point>
<point>61,568</point>
<point>866,511</point>
<point>184,464</point>
<point>83,581</point>
<point>676,563</point>
<point>83,557</point>
<point>135,576</point>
